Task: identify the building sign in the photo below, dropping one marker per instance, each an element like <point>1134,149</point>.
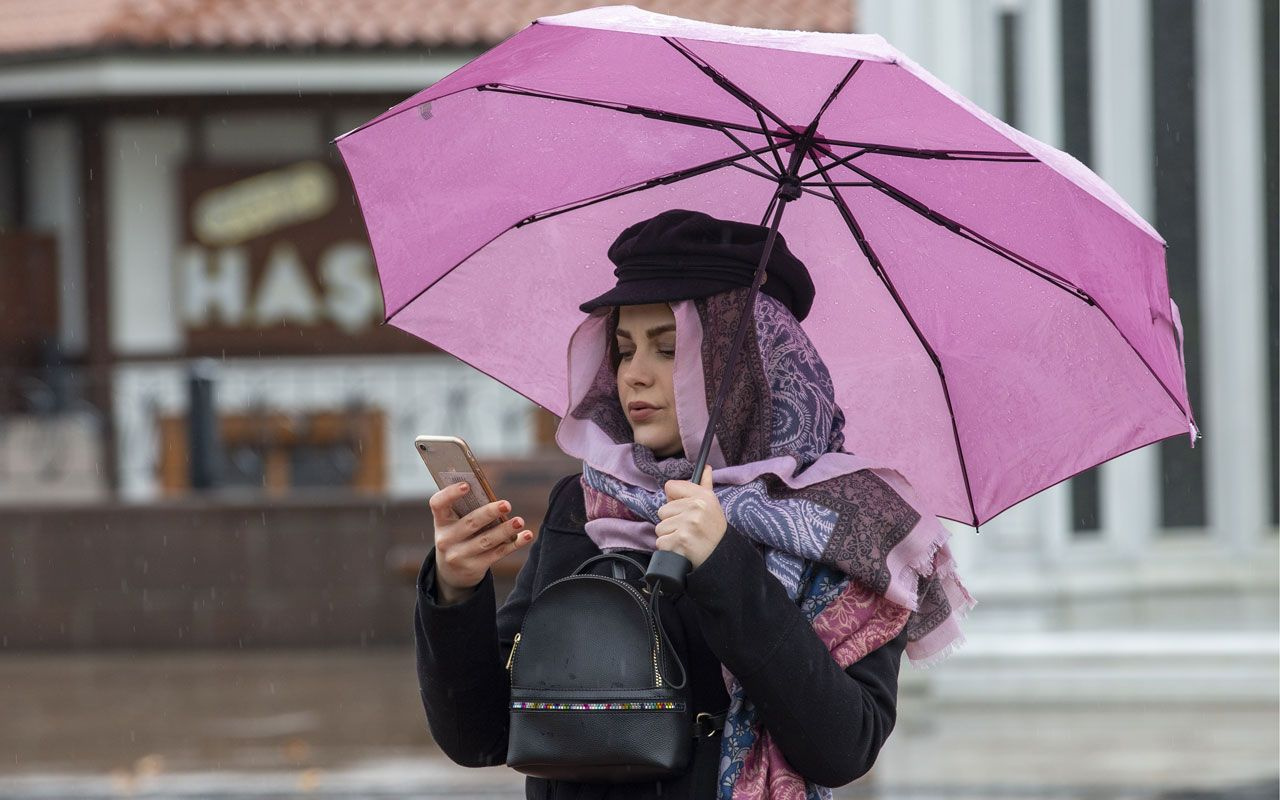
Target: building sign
<point>275,261</point>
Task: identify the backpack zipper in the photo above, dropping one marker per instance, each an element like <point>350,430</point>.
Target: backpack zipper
<point>512,658</point>
<point>635,595</point>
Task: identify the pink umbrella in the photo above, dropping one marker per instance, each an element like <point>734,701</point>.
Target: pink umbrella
<point>995,317</point>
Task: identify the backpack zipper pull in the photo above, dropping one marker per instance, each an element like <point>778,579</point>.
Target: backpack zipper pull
<point>512,657</point>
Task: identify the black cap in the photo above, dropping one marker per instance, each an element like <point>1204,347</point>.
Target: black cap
<point>682,255</point>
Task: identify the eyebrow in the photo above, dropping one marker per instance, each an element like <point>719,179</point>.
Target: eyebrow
<point>652,332</point>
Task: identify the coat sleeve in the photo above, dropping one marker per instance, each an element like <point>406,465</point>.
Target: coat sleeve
<point>829,723</point>
<point>461,653</point>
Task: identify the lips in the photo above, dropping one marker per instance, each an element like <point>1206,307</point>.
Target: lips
<point>641,412</point>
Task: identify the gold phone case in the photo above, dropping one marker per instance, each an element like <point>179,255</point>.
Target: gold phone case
<point>450,460</point>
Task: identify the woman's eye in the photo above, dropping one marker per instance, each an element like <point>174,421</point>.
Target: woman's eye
<point>628,354</point>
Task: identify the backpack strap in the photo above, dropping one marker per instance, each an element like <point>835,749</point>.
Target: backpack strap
<point>708,725</point>
<point>615,557</point>
<point>618,561</point>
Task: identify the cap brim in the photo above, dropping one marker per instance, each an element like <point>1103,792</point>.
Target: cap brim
<point>658,290</point>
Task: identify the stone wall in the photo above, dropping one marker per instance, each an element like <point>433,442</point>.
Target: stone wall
<point>333,570</point>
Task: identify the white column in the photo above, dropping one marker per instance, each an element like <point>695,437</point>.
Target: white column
<point>52,183</point>
<point>1046,517</point>
<point>959,43</point>
<point>1040,63</point>
<point>899,22</point>
<point>957,40</point>
<point>1232,264</point>
<point>141,158</point>
<point>943,36</point>
<point>1121,90</point>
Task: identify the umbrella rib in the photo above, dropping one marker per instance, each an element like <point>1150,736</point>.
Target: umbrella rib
<point>651,113</point>
<point>769,138</point>
<point>672,177</point>
<point>917,153</point>
<point>837,163</point>
<point>745,149</point>
<point>766,175</point>
<point>665,179</point>
<point>817,193</point>
<point>971,235</point>
<point>724,83</point>
<point>768,212</point>
<point>830,182</point>
<point>869,253</point>
<point>967,233</point>
<point>813,126</point>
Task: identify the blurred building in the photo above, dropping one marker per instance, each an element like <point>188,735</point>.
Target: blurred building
<point>177,234</point>
<point>171,209</point>
<point>169,181</point>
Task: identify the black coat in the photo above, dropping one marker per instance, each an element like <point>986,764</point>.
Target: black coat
<point>829,723</point>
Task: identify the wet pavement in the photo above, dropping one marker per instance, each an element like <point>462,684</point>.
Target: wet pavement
<point>349,724</point>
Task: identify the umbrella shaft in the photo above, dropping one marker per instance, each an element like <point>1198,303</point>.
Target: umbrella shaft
<point>748,314</point>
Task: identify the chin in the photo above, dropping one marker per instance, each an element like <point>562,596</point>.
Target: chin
<point>668,452</point>
<point>662,450</point>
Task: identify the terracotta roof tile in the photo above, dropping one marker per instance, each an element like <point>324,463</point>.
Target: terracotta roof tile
<point>36,26</point>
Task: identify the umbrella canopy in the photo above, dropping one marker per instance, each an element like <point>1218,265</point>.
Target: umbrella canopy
<point>995,318</point>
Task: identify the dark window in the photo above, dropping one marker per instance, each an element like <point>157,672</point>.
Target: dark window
<point>244,465</point>
<point>1271,162</point>
<point>323,465</point>
<point>1077,113</point>
<point>1077,138</point>
<point>1010,42</point>
<point>1182,468</point>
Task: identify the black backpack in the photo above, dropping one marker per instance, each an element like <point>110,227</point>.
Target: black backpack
<point>592,698</point>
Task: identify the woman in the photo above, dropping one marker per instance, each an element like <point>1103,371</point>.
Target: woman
<point>813,569</point>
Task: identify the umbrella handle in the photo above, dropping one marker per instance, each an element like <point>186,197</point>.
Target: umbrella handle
<point>667,570</point>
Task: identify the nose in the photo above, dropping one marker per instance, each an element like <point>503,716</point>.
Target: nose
<point>637,371</point>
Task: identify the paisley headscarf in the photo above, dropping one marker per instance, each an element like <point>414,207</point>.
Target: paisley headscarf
<point>849,539</point>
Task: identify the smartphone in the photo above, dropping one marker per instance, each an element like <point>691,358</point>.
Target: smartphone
<point>451,461</point>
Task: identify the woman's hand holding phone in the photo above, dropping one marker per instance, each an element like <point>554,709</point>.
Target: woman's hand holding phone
<point>466,547</point>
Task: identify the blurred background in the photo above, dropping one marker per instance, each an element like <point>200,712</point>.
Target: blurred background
<point>211,511</point>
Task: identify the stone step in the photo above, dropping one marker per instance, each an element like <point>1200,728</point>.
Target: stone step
<point>1089,666</point>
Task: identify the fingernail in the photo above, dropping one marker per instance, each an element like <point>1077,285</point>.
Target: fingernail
<point>464,487</point>
<point>528,535</point>
<point>505,506</point>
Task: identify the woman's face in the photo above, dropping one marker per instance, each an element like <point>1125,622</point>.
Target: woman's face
<point>646,342</point>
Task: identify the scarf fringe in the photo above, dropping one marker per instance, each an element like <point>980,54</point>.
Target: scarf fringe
<point>924,566</point>
<point>941,655</point>
<point>961,613</point>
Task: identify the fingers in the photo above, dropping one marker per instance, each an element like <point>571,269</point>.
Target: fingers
<point>495,536</point>
<point>523,539</point>
<point>495,544</point>
<point>484,517</point>
<point>673,542</point>
<point>442,502</point>
<point>677,489</point>
<point>681,506</point>
<point>449,529</point>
